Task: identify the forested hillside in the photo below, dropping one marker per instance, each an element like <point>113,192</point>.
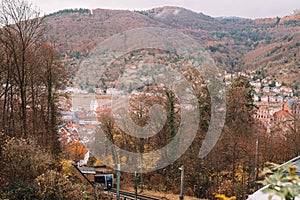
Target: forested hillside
<point>236,44</point>
<point>39,59</point>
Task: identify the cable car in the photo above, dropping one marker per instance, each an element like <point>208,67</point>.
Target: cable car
<point>105,179</point>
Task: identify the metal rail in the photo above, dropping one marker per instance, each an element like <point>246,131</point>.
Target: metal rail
<point>131,195</point>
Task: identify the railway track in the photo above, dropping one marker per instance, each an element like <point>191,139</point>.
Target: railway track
<point>131,195</point>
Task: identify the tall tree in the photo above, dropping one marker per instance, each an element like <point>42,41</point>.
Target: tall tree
<point>31,75</point>
<point>20,35</point>
<point>237,144</point>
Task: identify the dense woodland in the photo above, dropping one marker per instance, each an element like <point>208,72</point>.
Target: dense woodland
<point>232,168</point>
<point>30,76</point>
<point>32,159</point>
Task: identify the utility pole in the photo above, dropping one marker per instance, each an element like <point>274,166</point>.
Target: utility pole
<point>135,185</point>
<point>141,178</point>
<point>181,182</point>
<point>256,158</point>
<point>118,182</point>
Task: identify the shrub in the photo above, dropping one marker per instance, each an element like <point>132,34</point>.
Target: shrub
<point>282,181</point>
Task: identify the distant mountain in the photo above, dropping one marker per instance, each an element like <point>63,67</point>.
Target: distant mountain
<point>271,44</point>
<point>231,18</point>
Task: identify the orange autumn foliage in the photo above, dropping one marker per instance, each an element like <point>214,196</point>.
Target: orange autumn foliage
<point>76,150</point>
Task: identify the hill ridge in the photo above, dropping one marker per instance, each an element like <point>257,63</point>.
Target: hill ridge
<point>229,40</point>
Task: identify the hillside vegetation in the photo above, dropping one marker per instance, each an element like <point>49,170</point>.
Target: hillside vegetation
<point>236,44</point>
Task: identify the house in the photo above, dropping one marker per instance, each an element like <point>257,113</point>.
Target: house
<point>266,89</point>
<point>94,105</point>
<point>275,99</point>
<point>256,85</point>
<point>281,121</point>
<point>242,74</point>
<point>287,91</point>
<point>264,98</point>
<point>228,77</point>
<point>275,90</point>
<point>277,84</point>
<point>114,91</point>
<point>255,98</point>
<point>99,91</point>
<point>282,116</point>
<point>278,116</point>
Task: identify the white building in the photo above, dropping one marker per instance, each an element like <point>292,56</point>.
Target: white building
<point>94,105</point>
<point>114,91</point>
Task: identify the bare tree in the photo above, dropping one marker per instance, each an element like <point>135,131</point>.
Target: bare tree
<point>31,75</point>
<point>20,35</point>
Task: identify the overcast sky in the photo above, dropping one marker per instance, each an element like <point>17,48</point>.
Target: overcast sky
<point>239,8</point>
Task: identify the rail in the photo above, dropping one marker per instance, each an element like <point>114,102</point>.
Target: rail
<point>131,195</point>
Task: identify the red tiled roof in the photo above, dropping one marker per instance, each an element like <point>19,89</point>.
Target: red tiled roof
<point>282,113</point>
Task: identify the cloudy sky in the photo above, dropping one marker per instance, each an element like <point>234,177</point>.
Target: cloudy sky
<point>240,8</point>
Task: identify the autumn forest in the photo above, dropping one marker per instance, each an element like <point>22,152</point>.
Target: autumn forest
<point>41,57</point>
